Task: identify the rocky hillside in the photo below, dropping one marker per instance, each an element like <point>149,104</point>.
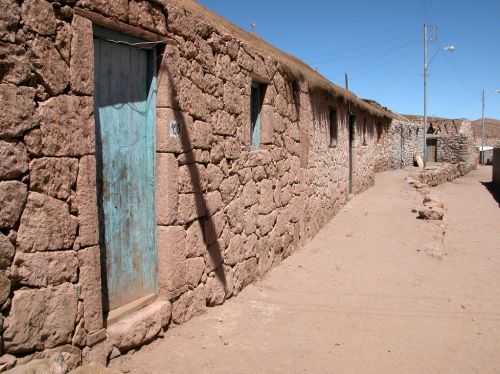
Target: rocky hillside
<point>492,130</point>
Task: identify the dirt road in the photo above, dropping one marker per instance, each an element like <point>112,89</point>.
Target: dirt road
<point>365,296</point>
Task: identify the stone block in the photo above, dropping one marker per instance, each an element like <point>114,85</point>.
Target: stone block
<point>9,20</point>
<point>53,176</point>
<point>229,188</point>
<point>250,194</point>
<point>41,319</point>
<point>233,99</point>
<point>14,160</point>
<point>192,100</point>
<point>215,291</point>
<point>213,202</point>
<point>167,140</point>
<point>89,261</point>
<point>82,56</point>
<point>67,126</point>
<point>191,207</point>
<point>141,327</point>
<point>46,225</point>
<point>195,241</point>
<point>12,199</point>
<point>265,223</point>
<point>167,196</point>
<point>4,287</point>
<point>39,16</point>
<point>147,15</point>
<point>192,178</point>
<point>199,135</point>
<point>63,40</point>
<point>267,121</point>
<point>44,269</point>
<point>266,197</point>
<point>213,227</point>
<point>244,274</point>
<point>214,256</point>
<point>171,244</point>
<point>232,149</point>
<point>50,66</point>
<point>7,252</point>
<point>111,8</point>
<point>235,215</point>
<point>63,358</point>
<point>215,177</point>
<point>86,196</point>
<point>15,64</point>
<point>225,124</point>
<point>18,105</point>
<point>236,251</point>
<point>189,305</point>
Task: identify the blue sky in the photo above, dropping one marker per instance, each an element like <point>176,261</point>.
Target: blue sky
<point>379,43</point>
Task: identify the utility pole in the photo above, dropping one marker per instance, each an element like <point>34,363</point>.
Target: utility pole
<point>426,71</point>
<point>346,82</point>
<point>482,128</point>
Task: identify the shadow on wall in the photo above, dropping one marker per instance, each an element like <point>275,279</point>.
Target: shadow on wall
<point>209,229</point>
<point>494,190</point>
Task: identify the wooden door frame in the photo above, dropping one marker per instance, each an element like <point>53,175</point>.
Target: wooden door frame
<point>111,316</point>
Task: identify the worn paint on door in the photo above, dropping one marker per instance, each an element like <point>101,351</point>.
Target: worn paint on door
<point>125,95</point>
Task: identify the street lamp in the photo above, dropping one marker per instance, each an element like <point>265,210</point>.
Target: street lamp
<point>449,48</point>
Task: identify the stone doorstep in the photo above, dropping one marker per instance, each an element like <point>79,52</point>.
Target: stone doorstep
<point>140,327</point>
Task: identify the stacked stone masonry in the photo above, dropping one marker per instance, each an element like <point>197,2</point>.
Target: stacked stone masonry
<point>226,213</point>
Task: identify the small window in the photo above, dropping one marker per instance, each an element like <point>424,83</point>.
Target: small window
<point>333,128</point>
<point>365,127</point>
<point>380,132</point>
<point>257,99</point>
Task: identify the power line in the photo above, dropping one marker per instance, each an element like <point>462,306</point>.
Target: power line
<point>366,53</point>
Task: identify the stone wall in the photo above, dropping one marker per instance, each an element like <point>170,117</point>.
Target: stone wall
<point>407,141</point>
<point>458,149</point>
<point>496,167</point>
<point>437,174</point>
<point>226,213</point>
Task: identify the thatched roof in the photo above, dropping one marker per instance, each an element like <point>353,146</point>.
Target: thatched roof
<point>297,68</point>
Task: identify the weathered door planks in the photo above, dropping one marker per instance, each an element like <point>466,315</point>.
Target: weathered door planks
<point>125,96</point>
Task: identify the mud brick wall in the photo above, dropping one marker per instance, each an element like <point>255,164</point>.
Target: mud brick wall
<point>226,213</point>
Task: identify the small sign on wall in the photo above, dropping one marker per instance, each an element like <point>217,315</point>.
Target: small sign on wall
<point>174,129</point>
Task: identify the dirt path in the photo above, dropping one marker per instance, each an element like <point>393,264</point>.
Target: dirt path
<point>362,297</point>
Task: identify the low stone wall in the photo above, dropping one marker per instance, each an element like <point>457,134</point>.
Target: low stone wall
<point>440,173</point>
<point>496,167</point>
<point>458,149</point>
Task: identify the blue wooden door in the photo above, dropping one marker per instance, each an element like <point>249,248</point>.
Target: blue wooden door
<point>125,95</point>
